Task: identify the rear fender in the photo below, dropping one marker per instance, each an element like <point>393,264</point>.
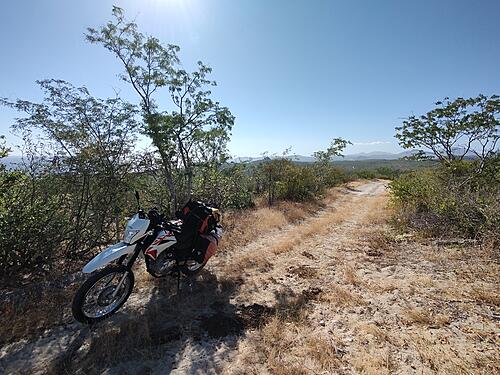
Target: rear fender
<point>107,256</point>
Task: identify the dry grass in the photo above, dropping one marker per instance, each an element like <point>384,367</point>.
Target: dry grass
<point>374,361</point>
<point>414,308</point>
<point>296,212</point>
<point>283,347</point>
<point>243,227</point>
<point>380,334</point>
<point>304,272</point>
<point>324,352</point>
<point>442,358</point>
<point>365,303</point>
<point>350,275</point>
<point>34,313</point>
<point>421,316</point>
<point>424,281</point>
<point>378,211</point>
<point>314,226</point>
<point>380,242</point>
<point>484,295</point>
<point>340,297</point>
<point>247,263</point>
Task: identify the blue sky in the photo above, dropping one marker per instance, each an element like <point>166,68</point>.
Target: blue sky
<point>294,73</point>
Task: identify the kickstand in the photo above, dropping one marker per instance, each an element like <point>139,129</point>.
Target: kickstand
<point>178,281</point>
<point>178,276</point>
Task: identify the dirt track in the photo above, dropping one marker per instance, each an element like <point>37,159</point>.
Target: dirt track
<point>337,293</point>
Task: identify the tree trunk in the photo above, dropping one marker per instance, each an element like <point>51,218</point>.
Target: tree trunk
<point>169,179</point>
<point>189,173</point>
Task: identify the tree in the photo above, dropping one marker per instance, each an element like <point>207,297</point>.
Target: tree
<point>336,148</point>
<point>178,134</point>
<point>4,150</point>
<point>455,129</point>
<point>325,174</point>
<point>87,147</point>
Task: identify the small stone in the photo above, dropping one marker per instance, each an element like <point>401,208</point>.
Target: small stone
<point>322,323</point>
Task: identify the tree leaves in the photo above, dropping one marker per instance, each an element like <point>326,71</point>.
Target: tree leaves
<point>455,128</point>
<point>193,127</point>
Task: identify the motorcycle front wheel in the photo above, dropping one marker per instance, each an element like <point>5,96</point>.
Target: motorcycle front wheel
<point>102,294</point>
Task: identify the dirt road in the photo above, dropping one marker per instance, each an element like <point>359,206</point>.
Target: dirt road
<point>338,293</point>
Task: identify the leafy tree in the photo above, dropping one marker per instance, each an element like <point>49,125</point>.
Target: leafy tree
<point>325,174</point>
<point>336,148</point>
<point>272,171</point>
<point>454,129</point>
<point>180,134</point>
<point>86,146</point>
<point>4,150</point>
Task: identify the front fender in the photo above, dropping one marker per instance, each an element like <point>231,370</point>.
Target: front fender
<point>107,256</point>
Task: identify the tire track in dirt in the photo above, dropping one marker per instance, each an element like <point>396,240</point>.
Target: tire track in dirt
<point>265,271</point>
<point>272,270</point>
<point>381,305</point>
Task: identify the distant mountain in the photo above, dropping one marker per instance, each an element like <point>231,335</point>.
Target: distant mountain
<point>375,155</point>
<point>302,159</point>
<point>12,161</point>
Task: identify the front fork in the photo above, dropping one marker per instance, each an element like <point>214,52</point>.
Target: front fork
<point>129,265</point>
<point>119,284</point>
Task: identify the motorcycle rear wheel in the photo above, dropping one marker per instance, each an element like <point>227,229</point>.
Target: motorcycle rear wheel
<point>94,300</point>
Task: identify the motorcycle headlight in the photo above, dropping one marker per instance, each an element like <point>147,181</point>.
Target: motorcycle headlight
<point>129,234</point>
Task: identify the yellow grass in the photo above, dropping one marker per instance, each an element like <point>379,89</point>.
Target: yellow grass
<point>245,226</point>
<point>421,316</point>
<point>340,296</point>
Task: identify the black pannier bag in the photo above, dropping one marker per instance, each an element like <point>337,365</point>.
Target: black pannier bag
<point>197,219</point>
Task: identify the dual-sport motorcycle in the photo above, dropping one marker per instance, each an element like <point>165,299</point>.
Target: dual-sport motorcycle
<point>170,247</point>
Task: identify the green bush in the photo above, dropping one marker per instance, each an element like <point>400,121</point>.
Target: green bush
<point>282,179</point>
<point>457,199</point>
<point>230,187</point>
<point>379,172</point>
<point>31,223</point>
<point>297,184</point>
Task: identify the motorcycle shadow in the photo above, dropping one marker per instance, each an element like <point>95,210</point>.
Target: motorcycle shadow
<point>171,331</point>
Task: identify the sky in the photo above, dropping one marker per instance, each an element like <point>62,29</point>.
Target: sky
<point>294,73</point>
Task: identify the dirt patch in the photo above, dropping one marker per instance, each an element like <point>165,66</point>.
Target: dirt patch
<point>303,271</point>
<point>221,324</point>
<point>162,335</point>
<point>308,255</point>
<point>255,315</point>
<point>311,293</point>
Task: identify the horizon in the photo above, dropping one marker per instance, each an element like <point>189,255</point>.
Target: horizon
<point>293,73</point>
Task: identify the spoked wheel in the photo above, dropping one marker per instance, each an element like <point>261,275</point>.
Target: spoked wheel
<point>192,267</point>
<point>102,294</point>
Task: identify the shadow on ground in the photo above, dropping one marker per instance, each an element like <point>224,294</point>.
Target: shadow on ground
<point>195,324</point>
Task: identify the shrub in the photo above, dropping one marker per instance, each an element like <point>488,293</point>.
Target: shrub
<point>455,199</point>
<point>229,187</point>
<point>298,184</point>
<point>379,172</point>
<point>31,223</point>
<point>284,180</point>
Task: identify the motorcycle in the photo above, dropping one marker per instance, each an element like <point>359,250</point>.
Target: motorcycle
<point>112,280</point>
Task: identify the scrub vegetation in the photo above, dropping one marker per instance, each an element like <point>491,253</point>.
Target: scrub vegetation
<point>460,197</point>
